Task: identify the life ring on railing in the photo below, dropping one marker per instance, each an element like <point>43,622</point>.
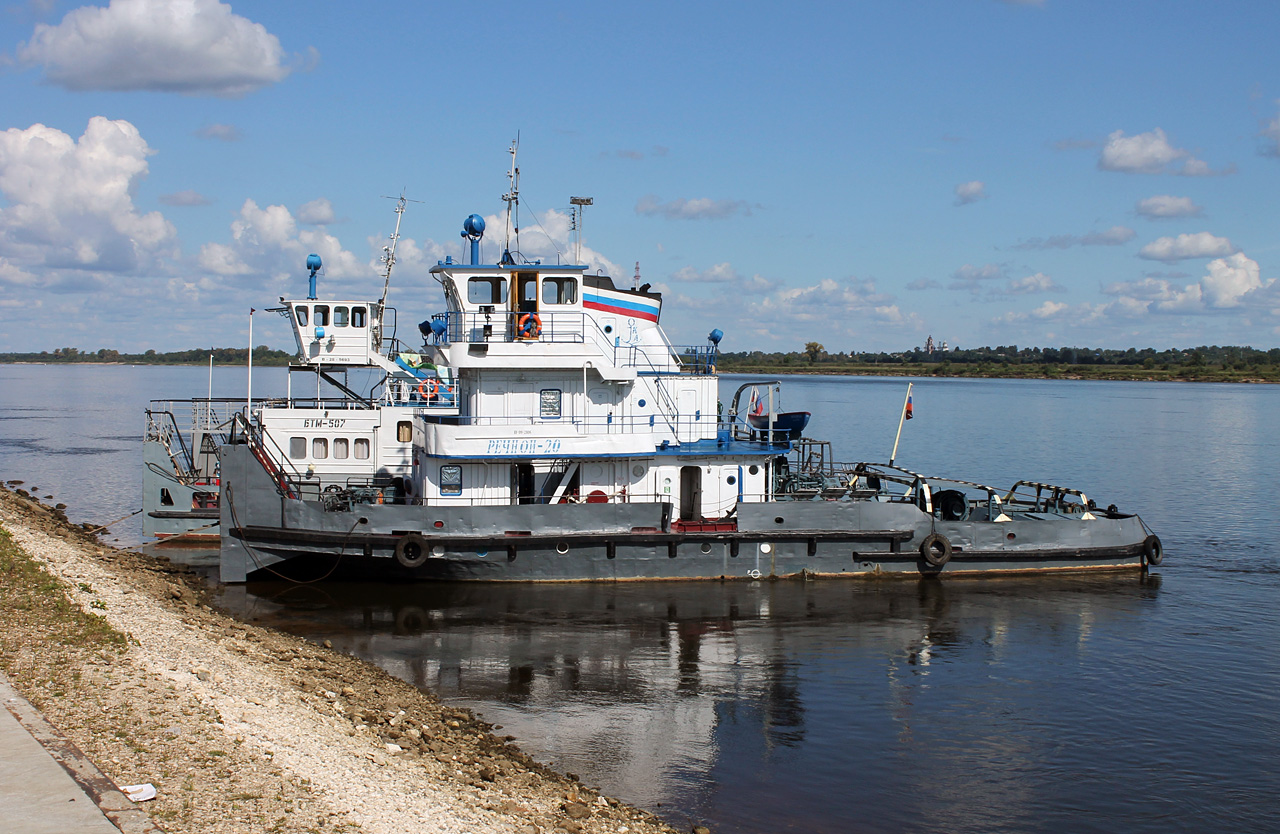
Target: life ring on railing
<point>529,327</point>
<point>1153,550</point>
<point>936,549</point>
<point>428,389</point>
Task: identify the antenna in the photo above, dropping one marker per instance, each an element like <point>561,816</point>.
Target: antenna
<point>512,198</point>
<point>635,283</point>
<point>578,203</point>
<point>389,252</point>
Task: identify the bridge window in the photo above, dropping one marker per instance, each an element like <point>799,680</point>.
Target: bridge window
<point>487,290</point>
<point>319,448</point>
<point>340,316</point>
<point>549,403</point>
<point>559,291</point>
<point>302,315</point>
<point>341,448</point>
<point>361,448</point>
<point>451,480</point>
<point>297,448</point>
<point>322,315</point>
<point>357,317</point>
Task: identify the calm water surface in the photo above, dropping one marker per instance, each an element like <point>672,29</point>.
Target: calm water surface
<point>1109,704</point>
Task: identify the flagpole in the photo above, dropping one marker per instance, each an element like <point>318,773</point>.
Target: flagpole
<point>902,417</point>
<point>249,397</point>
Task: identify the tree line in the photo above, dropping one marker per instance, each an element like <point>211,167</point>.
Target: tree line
<point>262,355</point>
<point>1225,362</point>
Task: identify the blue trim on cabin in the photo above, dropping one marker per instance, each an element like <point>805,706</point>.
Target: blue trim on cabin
<point>697,448</point>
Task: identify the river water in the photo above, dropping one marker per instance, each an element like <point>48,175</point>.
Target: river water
<point>1132,703</point>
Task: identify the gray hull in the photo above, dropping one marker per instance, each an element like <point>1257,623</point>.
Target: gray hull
<point>618,542</point>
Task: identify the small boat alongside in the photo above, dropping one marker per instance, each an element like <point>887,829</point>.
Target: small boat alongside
<point>543,427</point>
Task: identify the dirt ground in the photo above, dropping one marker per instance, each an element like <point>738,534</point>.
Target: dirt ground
<point>245,729</point>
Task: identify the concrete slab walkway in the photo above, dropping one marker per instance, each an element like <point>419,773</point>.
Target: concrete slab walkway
<point>47,786</point>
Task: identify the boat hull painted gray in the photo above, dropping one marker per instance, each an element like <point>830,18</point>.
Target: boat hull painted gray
<point>617,542</point>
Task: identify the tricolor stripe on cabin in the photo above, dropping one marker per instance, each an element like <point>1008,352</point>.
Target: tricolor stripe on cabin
<point>621,303</point>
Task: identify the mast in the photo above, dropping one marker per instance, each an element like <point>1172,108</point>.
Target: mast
<point>388,261</point>
<point>512,199</point>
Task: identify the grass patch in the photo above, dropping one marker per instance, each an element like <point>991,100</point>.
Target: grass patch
<point>41,616</point>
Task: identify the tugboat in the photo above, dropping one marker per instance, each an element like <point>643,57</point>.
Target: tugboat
<point>545,428</point>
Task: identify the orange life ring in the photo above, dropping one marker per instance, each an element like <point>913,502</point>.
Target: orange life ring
<point>529,327</point>
<point>428,389</point>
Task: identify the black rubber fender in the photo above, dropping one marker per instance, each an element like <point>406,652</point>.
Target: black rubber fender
<point>936,549</point>
<point>1152,550</point>
<point>412,550</point>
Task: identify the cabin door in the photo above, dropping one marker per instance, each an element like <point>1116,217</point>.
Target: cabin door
<point>690,493</point>
<point>522,483</point>
<point>687,424</point>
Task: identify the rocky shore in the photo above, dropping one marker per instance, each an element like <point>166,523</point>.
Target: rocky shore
<point>245,729</point>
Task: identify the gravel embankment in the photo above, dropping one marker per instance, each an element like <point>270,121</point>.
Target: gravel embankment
<point>242,728</point>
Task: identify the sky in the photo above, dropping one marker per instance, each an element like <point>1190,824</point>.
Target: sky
<point>862,174</point>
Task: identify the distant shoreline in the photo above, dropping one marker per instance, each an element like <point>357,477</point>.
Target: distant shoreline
<point>923,371</point>
<point>1065,372</point>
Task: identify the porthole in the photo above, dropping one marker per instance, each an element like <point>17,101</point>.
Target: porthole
<point>1011,537</point>
<point>706,547</point>
<point>778,520</point>
<point>562,548</point>
<point>437,551</point>
<point>753,469</point>
<point>637,470</point>
<point>608,328</point>
<point>731,480</point>
<point>766,548</point>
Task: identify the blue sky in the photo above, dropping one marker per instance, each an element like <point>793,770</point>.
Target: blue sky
<point>863,174</point>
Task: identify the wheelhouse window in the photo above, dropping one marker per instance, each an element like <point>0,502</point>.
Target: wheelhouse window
<point>549,403</point>
<point>559,290</point>
<point>297,448</point>
<point>361,448</point>
<point>491,290</point>
<point>301,313</point>
<point>451,480</point>
<point>341,448</point>
<point>341,315</point>
<point>322,315</point>
<point>319,448</point>
<point>358,317</point>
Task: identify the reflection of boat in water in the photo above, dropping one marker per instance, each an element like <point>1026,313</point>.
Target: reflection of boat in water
<point>647,689</point>
<point>547,429</point>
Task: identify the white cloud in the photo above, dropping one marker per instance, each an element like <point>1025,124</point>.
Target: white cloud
<point>197,47</point>
<point>1227,284</point>
<point>1271,138</point>
<point>1182,247</point>
<point>1151,153</point>
<point>697,209</point>
<point>71,203</point>
<point>718,274</point>
<point>970,192</point>
<point>1165,205</point>
<point>225,133</point>
<point>1115,236</point>
<point>1037,283</point>
<point>318,212</point>
<point>1229,280</point>
<point>266,243</point>
<point>185,198</point>
<point>924,284</point>
<point>969,277</point>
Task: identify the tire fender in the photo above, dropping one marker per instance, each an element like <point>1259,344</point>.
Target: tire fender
<point>412,550</point>
<point>935,550</point>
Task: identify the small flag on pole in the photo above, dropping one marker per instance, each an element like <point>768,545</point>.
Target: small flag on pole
<point>908,414</point>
